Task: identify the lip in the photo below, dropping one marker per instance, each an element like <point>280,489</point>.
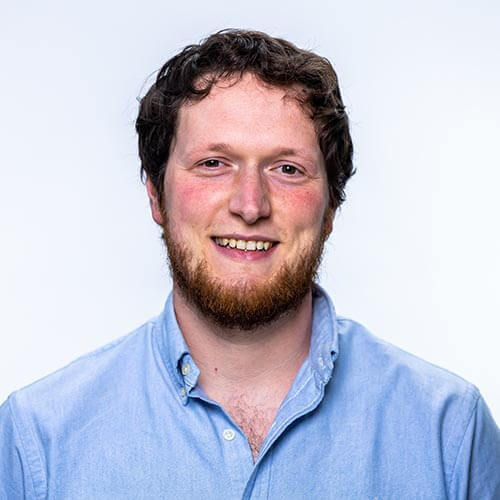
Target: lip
<point>242,255</point>
<point>249,237</point>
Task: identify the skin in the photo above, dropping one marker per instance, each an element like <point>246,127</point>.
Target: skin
<point>245,161</point>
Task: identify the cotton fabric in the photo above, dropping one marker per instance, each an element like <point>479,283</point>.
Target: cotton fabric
<point>363,420</point>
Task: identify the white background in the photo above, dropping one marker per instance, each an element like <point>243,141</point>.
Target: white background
<point>415,252</point>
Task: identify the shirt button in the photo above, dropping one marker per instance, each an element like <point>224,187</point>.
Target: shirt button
<point>183,391</point>
<point>228,434</point>
<point>186,368</point>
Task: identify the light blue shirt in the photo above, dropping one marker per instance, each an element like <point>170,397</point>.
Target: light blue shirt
<point>363,420</point>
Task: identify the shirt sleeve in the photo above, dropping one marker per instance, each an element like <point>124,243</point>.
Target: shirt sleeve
<point>476,472</point>
<point>14,476</point>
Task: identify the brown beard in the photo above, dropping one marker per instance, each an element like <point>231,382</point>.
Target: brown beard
<point>243,305</point>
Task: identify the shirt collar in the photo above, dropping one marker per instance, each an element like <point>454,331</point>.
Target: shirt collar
<point>322,353</point>
<point>324,347</point>
<point>172,344</point>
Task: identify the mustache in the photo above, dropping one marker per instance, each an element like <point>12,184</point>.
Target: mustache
<point>242,305</point>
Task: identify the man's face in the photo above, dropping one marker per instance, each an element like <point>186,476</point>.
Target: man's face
<point>245,170</point>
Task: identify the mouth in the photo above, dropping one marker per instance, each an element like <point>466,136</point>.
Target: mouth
<point>254,245</point>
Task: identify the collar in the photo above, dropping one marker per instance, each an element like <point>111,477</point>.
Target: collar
<point>182,369</point>
<point>324,348</point>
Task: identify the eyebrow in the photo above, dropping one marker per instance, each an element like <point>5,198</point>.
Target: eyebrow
<point>223,147</point>
<point>220,147</point>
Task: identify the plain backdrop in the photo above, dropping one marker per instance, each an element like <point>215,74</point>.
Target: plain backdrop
<point>415,250</point>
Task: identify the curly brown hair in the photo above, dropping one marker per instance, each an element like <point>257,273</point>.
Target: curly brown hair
<point>190,75</point>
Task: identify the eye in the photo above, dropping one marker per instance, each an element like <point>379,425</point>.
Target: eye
<point>212,163</point>
<point>289,169</point>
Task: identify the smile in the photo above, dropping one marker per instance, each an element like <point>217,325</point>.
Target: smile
<point>246,245</point>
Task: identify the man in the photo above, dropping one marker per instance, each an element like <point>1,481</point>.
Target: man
<point>247,385</point>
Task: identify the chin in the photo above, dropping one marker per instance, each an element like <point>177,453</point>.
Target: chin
<point>228,292</point>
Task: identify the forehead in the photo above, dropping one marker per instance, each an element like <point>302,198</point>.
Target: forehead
<point>247,110</point>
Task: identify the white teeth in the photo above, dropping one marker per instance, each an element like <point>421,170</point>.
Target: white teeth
<point>250,245</point>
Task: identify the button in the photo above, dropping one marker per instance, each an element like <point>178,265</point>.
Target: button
<point>228,434</point>
<point>185,368</point>
<point>183,391</point>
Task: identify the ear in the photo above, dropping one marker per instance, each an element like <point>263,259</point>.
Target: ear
<point>328,222</point>
<point>154,202</point>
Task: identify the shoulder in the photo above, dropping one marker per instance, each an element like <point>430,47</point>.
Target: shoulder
<point>64,411</point>
<point>409,400</point>
<point>369,355</point>
<point>416,396</point>
<point>87,380</point>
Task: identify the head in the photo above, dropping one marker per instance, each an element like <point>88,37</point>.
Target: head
<point>236,96</point>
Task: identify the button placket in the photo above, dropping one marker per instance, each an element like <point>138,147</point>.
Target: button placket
<point>189,373</point>
<point>228,434</point>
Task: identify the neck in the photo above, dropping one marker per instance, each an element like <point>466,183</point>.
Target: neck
<point>245,358</point>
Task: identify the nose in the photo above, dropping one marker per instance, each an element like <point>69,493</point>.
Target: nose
<point>250,197</point>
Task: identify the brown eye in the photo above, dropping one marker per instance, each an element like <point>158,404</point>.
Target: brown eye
<point>289,169</point>
<point>212,163</point>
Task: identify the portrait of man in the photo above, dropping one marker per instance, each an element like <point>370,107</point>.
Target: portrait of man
<point>248,384</point>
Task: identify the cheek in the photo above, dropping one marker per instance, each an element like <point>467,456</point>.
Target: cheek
<point>306,198</point>
<point>306,207</point>
<point>191,202</point>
